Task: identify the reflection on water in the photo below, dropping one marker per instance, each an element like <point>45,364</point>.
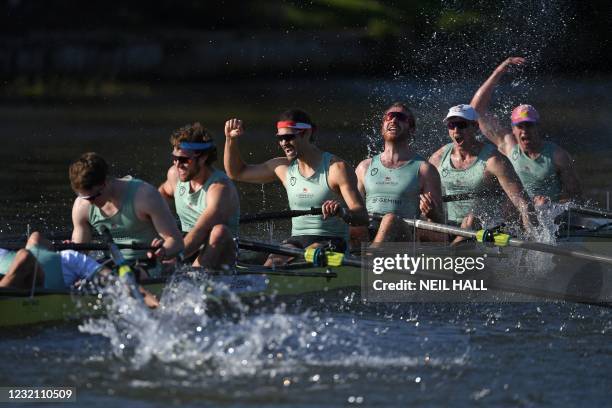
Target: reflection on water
<point>40,141</point>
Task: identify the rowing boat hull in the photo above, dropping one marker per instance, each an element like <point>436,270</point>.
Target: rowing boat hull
<point>17,308</point>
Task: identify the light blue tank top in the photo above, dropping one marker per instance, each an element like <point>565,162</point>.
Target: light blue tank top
<point>393,190</point>
<point>539,176</point>
<point>304,193</point>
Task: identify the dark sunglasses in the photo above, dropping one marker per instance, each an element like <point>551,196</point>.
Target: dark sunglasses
<point>287,137</point>
<point>402,117</point>
<point>92,197</point>
<point>182,159</point>
<point>459,125</point>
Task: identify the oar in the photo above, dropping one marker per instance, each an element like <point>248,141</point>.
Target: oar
<point>501,239</point>
<point>126,275</point>
<point>316,256</point>
<point>590,211</point>
<point>275,215</point>
<point>460,197</point>
<point>89,246</point>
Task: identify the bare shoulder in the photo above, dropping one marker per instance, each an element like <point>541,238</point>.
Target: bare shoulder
<point>427,169</point>
<point>172,175</point>
<point>560,156</point>
<point>363,166</point>
<point>498,162</point>
<point>436,158</point>
<point>80,208</point>
<point>337,164</point>
<point>277,162</point>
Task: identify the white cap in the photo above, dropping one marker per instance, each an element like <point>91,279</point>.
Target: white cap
<point>462,111</point>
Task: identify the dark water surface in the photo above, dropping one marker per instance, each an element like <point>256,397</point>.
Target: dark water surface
<point>334,353</point>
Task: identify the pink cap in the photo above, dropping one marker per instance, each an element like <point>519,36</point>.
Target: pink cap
<point>524,113</point>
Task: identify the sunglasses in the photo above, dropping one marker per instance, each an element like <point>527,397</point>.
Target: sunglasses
<point>458,125</point>
<point>91,197</point>
<point>402,117</point>
<point>287,137</point>
<point>182,159</point>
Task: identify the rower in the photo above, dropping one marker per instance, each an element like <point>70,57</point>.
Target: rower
<point>39,264</point>
<point>206,200</point>
<point>131,209</point>
<point>545,169</point>
<point>469,166</point>
<point>398,182</point>
<point>312,178</point>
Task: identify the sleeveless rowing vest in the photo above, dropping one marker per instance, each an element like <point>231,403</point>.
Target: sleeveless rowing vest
<point>539,176</point>
<point>393,190</point>
<point>460,181</point>
<point>304,193</point>
<point>124,226</point>
<point>189,205</point>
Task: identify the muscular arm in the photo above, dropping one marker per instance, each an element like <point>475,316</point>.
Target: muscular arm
<point>565,169</point>
<point>221,204</point>
<point>489,125</point>
<point>436,158</point>
<point>81,232</point>
<point>237,169</point>
<point>500,167</point>
<point>360,173</point>
<point>431,192</point>
<point>343,180</point>
<point>166,189</point>
<point>150,204</point>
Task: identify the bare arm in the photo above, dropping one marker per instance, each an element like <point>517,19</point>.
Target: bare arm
<point>565,169</point>
<point>436,158</point>
<point>166,189</point>
<point>360,173</point>
<point>150,204</point>
<point>489,125</point>
<point>343,180</point>
<point>237,169</point>
<point>500,167</point>
<point>221,204</point>
<point>431,192</point>
<point>81,232</point>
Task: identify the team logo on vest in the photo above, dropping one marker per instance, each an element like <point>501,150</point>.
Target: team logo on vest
<point>445,172</point>
<point>374,171</point>
<point>292,181</point>
<point>515,154</point>
<point>305,193</point>
<point>182,190</point>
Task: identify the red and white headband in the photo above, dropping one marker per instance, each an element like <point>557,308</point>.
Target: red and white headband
<point>293,125</point>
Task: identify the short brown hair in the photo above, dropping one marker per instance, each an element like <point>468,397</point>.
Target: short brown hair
<point>88,171</point>
<point>298,115</point>
<point>194,133</point>
<point>406,109</point>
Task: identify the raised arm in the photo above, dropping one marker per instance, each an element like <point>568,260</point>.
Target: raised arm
<point>150,204</point>
<point>489,125</point>
<point>237,169</point>
<point>500,167</point>
<point>221,204</point>
<point>81,230</point>
<point>343,180</point>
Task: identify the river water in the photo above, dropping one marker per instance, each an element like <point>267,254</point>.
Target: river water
<point>333,352</point>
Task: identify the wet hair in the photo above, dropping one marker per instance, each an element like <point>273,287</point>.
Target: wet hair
<point>87,171</point>
<point>406,109</point>
<point>194,133</point>
<point>298,115</point>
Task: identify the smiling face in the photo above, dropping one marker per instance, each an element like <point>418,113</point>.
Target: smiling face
<point>397,124</point>
<point>462,131</point>
<point>187,163</point>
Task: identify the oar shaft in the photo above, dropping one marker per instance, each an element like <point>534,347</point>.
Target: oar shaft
<point>275,215</point>
<point>590,211</point>
<point>517,243</point>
